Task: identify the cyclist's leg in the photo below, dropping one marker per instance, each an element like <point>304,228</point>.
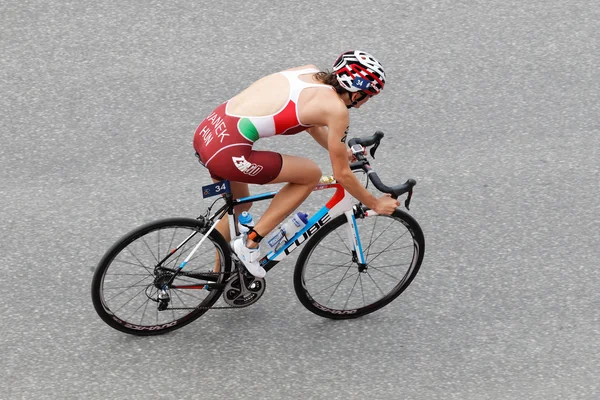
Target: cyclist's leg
<point>302,176</point>
<point>239,163</point>
<point>239,190</point>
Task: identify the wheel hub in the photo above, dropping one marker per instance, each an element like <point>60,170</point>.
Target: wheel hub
<point>162,279</point>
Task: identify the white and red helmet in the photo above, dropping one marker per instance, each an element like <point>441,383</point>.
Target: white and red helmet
<point>358,71</point>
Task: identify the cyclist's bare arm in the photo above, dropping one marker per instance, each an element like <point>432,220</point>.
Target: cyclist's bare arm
<point>320,134</point>
<point>338,122</point>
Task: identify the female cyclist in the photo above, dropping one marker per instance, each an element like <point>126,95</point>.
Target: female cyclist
<point>286,103</point>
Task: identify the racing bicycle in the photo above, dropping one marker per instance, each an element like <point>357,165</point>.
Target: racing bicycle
<point>167,273</point>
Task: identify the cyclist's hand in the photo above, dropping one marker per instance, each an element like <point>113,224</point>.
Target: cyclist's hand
<point>386,205</point>
<point>351,156</point>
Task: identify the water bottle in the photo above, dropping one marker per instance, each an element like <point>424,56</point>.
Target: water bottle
<point>282,234</point>
<point>245,222</point>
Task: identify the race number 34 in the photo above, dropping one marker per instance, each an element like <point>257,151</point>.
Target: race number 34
<point>214,189</point>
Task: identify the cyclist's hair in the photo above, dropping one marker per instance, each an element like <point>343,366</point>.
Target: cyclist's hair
<point>329,78</point>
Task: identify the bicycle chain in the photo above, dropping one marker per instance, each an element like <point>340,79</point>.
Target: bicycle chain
<point>212,307</point>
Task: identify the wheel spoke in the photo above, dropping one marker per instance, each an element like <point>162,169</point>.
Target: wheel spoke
<point>158,247</point>
<point>409,246</point>
<point>341,240</point>
<point>351,290</point>
<point>130,263</point>
<point>332,285</point>
<point>371,239</point>
<point>138,260</point>
<point>389,266</point>
<point>145,303</point>
<point>383,251</point>
<point>326,291</point>
<point>323,273</point>
<point>337,285</point>
<point>144,313</point>
<point>383,272</point>
<point>362,290</point>
<point>375,283</point>
<point>378,236</point>
<point>124,285</point>
<point>135,284</point>
<point>329,264</point>
<point>348,253</point>
<point>129,301</point>
<point>135,265</point>
<point>149,249</point>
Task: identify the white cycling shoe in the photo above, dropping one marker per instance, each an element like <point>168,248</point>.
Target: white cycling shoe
<point>249,257</point>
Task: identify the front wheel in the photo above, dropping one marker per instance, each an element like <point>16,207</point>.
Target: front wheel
<point>330,282</point>
<point>137,287</point>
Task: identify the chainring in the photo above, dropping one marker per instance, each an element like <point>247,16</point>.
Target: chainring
<point>236,296</point>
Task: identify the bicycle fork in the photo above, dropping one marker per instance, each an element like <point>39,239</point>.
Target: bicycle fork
<point>358,255</point>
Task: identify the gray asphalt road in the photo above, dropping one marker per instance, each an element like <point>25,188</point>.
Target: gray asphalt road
<point>492,106</point>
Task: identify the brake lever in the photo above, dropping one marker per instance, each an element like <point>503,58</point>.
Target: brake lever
<point>378,135</point>
<point>373,150</point>
<point>407,201</point>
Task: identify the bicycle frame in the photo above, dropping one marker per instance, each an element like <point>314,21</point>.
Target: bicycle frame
<point>340,203</point>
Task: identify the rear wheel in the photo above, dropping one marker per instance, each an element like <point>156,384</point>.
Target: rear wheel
<point>329,281</point>
<point>133,289</point>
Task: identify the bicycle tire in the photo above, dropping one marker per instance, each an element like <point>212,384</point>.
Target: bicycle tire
<point>129,254</point>
<point>311,260</point>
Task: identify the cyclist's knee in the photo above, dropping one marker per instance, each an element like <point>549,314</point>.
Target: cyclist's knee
<point>316,175</point>
<point>311,174</point>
